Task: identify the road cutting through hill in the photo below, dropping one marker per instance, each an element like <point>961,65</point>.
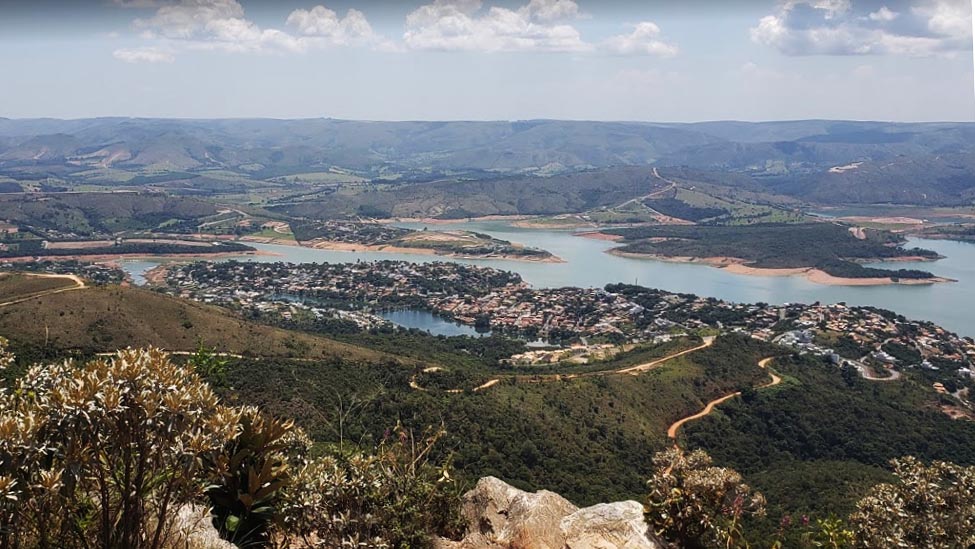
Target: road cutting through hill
<point>675,427</point>
<point>548,378</point>
<point>79,285</point>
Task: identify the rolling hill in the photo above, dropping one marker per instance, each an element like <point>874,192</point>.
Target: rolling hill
<point>821,161</point>
<point>100,319</point>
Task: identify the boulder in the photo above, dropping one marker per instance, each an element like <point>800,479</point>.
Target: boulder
<point>608,526</point>
<point>500,516</point>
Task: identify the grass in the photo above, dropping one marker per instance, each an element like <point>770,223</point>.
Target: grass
<point>271,233</point>
<point>99,319</point>
<point>16,285</point>
<point>740,212</point>
<point>320,177</point>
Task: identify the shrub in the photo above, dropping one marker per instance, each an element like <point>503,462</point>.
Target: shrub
<point>395,498</point>
<point>104,454</point>
<point>109,454</point>
<point>248,475</point>
<point>929,506</point>
<point>696,504</point>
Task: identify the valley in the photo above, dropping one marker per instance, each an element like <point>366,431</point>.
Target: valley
<point>577,323</point>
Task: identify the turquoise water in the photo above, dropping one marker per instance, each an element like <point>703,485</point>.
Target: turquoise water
<point>429,322</point>
<point>587,265</point>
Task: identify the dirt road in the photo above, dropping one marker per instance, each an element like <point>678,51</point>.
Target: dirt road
<point>675,427</point>
<point>79,285</point>
<point>548,378</point>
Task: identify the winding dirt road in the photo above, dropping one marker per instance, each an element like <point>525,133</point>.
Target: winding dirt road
<point>79,285</point>
<point>672,185</point>
<point>548,378</point>
<point>675,427</point>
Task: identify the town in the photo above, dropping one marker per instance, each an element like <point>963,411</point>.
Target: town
<point>581,324</point>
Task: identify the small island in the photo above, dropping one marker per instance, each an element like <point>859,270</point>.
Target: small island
<point>380,237</point>
<point>825,253</point>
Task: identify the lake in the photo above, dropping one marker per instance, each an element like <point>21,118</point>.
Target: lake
<point>587,265</point>
<point>429,322</point>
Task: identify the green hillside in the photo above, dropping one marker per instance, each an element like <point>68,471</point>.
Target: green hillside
<point>589,439</point>
<point>101,319</point>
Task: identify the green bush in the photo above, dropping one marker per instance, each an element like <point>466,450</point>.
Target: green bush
<point>395,498</point>
<point>110,453</point>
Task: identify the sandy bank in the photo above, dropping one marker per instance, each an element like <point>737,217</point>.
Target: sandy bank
<point>596,235</point>
<point>156,276</point>
<point>736,265</point>
<point>269,240</point>
<point>822,277</point>
<point>711,261</point>
<point>555,225</point>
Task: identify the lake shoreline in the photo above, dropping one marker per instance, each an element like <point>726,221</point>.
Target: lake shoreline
<point>738,266</point>
<point>436,221</point>
<point>106,258</point>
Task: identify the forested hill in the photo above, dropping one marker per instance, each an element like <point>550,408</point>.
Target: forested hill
<point>825,161</point>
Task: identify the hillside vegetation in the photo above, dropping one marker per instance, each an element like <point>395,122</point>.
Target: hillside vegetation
<point>100,213</point>
<point>590,439</point>
<point>826,246</point>
<point>453,199</point>
<point>100,319</point>
<point>14,286</point>
<point>813,444</point>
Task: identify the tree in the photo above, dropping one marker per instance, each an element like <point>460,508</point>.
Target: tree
<point>695,504</point>
<point>929,506</point>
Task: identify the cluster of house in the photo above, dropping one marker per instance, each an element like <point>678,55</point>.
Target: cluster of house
<point>585,317</point>
<point>580,311</point>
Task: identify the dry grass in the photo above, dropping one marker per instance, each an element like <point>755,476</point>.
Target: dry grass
<point>113,317</point>
<point>16,285</point>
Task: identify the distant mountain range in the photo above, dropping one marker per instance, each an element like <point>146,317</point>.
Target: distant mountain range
<point>819,160</point>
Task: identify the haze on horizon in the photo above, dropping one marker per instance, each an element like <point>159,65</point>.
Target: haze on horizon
<point>894,60</point>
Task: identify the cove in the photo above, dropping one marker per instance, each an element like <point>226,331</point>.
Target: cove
<point>588,265</point>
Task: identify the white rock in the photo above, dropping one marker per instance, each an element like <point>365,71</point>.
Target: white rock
<point>608,526</point>
<point>500,516</point>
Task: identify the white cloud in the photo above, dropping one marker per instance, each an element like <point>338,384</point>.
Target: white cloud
<point>222,25</point>
<point>463,25</point>
<point>324,23</point>
<point>189,19</point>
<point>884,14</point>
<point>551,10</point>
<point>839,27</point>
<point>644,40</point>
<point>948,18</point>
<point>143,55</point>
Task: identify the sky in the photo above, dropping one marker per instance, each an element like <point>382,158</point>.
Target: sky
<point>647,60</point>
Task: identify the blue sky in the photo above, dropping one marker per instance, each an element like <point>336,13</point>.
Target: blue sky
<point>481,60</point>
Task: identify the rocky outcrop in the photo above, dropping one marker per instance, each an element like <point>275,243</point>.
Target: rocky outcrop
<point>500,516</point>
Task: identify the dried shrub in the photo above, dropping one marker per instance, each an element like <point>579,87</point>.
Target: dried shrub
<point>929,506</point>
<point>103,454</point>
<point>111,453</point>
<point>696,504</point>
<point>395,498</point>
